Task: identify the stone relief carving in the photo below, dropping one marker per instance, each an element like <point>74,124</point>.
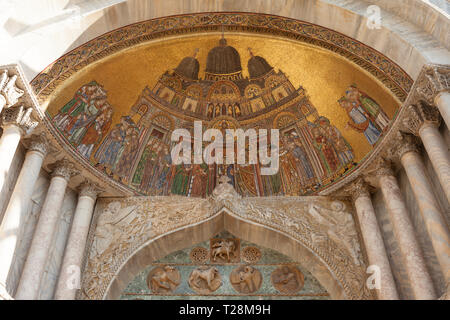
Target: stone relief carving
<point>199,255</point>
<point>225,250</point>
<point>246,279</point>
<point>163,280</point>
<point>205,280</point>
<point>287,279</point>
<point>9,92</point>
<point>324,227</point>
<point>21,117</point>
<point>251,254</point>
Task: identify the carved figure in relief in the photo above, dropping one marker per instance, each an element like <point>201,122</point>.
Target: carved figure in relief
<point>10,93</point>
<point>287,279</point>
<point>223,249</point>
<point>205,280</point>
<point>163,279</point>
<point>339,227</point>
<point>246,279</point>
<point>109,225</point>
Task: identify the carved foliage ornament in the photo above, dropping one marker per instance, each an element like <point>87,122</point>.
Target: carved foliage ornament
<point>419,115</point>
<point>20,117</point>
<point>63,168</point>
<point>435,79</point>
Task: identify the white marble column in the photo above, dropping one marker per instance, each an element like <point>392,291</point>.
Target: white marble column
<point>33,270</point>
<point>15,122</point>
<point>442,101</point>
<point>373,240</point>
<point>423,121</point>
<point>19,201</point>
<point>428,205</point>
<point>69,277</point>
<point>411,252</point>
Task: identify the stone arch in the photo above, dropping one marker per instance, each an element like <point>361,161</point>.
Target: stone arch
<point>247,230</point>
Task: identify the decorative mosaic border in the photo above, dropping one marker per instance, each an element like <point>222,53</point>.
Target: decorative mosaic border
<point>381,67</point>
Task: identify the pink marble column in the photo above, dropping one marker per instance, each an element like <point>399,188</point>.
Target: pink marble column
<point>33,270</point>
<point>373,240</point>
<point>428,205</point>
<point>412,255</point>
<point>68,281</point>
<point>18,203</point>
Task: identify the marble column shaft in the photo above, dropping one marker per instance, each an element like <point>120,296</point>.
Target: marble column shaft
<point>374,244</point>
<point>412,255</point>
<point>73,255</point>
<point>442,101</point>
<point>18,203</point>
<point>8,145</point>
<point>33,270</point>
<point>438,153</point>
<point>429,208</point>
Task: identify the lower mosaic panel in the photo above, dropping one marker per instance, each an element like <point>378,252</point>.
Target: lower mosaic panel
<point>224,268</point>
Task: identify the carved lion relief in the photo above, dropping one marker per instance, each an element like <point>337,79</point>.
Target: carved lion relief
<point>163,280</point>
<point>205,280</point>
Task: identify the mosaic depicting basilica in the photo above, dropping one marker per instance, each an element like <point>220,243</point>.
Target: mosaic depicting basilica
<point>94,205</point>
<point>135,148</point>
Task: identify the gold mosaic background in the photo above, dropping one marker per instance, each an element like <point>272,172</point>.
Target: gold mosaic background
<point>323,74</point>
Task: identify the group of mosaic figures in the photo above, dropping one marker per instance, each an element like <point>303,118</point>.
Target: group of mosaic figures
<point>204,280</point>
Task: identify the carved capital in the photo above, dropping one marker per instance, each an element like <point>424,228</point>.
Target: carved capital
<point>37,143</point>
<point>381,167</point>
<point>89,189</point>
<point>9,92</point>
<point>419,115</point>
<point>20,117</point>
<point>408,143</point>
<point>434,79</point>
<point>63,168</point>
<point>358,188</point>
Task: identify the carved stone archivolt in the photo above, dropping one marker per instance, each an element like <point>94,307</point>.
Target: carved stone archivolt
<point>251,254</point>
<point>163,280</point>
<point>287,279</point>
<point>246,279</point>
<point>205,280</point>
<point>123,226</point>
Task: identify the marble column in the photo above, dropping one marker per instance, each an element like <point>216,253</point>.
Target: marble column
<point>442,102</point>
<point>423,121</point>
<point>34,267</point>
<point>18,203</point>
<point>15,122</point>
<point>69,278</point>
<point>419,278</point>
<point>373,240</point>
<point>428,205</point>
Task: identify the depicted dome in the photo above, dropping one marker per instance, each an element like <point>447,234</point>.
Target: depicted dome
<point>258,66</point>
<point>223,59</point>
<point>188,68</point>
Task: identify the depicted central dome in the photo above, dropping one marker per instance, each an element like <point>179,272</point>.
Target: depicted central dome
<point>223,60</point>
